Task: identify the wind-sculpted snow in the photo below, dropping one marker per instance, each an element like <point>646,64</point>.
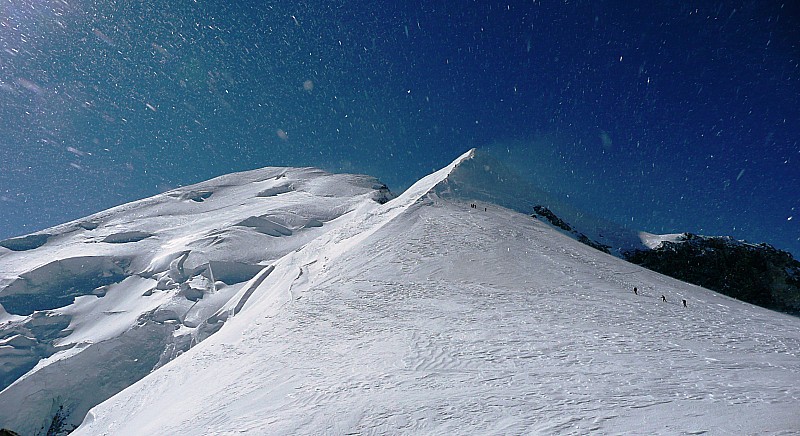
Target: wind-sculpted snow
<point>191,194</point>
<point>126,237</point>
<point>276,190</point>
<point>265,226</point>
<point>23,243</point>
<point>57,283</point>
<point>428,316</point>
<point>90,307</point>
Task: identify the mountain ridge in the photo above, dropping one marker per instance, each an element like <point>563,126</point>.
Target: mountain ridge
<point>305,302</point>
<point>427,315</point>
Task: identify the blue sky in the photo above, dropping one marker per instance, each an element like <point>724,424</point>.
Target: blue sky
<point>669,117</point>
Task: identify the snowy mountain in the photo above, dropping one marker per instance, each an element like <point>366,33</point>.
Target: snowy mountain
<point>292,301</point>
<point>148,279</point>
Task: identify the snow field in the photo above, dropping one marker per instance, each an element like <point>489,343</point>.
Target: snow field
<point>450,320</point>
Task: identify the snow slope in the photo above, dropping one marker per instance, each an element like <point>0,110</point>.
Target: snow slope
<point>425,315</point>
<point>91,306</point>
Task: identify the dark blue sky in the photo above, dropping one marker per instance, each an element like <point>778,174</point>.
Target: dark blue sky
<point>665,117</point>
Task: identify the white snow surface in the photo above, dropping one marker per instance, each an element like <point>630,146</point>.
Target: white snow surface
<point>341,315</point>
<point>653,241</point>
<point>428,316</point>
<point>91,306</point>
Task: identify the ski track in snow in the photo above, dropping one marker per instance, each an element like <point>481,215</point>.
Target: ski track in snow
<point>452,320</point>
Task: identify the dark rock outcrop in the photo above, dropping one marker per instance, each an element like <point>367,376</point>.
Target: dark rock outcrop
<point>756,273</point>
<point>551,217</point>
<point>544,213</point>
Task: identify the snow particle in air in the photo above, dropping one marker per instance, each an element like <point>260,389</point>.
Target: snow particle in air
<point>76,152</point>
<point>30,86</point>
<point>308,85</point>
<point>282,134</point>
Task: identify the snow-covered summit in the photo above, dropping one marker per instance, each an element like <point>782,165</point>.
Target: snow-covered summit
<point>421,314</point>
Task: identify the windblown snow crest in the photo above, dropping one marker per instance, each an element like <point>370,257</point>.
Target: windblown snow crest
<point>92,306</point>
